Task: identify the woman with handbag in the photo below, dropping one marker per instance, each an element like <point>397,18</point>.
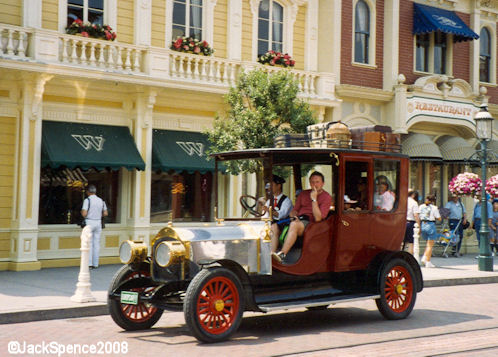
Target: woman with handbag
<point>429,213</point>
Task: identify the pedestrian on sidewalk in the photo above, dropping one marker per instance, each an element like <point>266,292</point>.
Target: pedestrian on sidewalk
<point>93,209</point>
<point>429,213</point>
<point>494,232</point>
<point>412,217</point>
<point>457,217</point>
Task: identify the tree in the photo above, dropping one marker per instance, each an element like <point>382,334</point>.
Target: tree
<point>261,106</point>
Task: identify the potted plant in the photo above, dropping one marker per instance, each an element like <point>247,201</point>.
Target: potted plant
<point>492,186</point>
<point>191,45</point>
<point>273,58</point>
<point>103,32</point>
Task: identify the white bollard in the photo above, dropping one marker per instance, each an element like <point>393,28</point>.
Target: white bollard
<point>83,293</point>
<point>416,247</point>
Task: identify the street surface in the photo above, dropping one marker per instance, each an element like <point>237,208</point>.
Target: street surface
<point>447,321</point>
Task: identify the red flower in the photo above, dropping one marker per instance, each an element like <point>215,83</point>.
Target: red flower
<point>178,43</point>
<point>272,62</point>
<point>108,28</point>
<point>205,44</point>
<point>108,35</point>
<point>185,48</point>
<point>191,44</point>
<point>286,56</point>
<point>292,62</point>
<point>197,49</point>
<point>114,35</point>
<point>84,34</point>
<point>78,22</point>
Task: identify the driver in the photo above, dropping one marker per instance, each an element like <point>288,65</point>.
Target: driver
<point>311,206</point>
<point>282,205</point>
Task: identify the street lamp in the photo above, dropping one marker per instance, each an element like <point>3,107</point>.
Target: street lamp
<point>484,132</point>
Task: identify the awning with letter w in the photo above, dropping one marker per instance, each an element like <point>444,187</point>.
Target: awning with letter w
<point>428,19</point>
<point>74,145</point>
<point>180,151</point>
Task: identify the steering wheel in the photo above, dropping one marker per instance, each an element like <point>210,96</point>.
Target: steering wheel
<point>251,209</point>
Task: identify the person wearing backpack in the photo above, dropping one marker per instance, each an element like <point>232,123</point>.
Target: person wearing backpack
<point>282,205</point>
<point>428,215</point>
<point>93,209</point>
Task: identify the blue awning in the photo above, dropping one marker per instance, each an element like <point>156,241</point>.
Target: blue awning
<point>430,19</point>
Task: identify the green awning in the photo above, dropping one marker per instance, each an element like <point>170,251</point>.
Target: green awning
<point>180,151</point>
<point>420,147</point>
<point>88,145</point>
<point>455,149</point>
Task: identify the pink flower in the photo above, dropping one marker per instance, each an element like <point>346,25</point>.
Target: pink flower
<point>78,22</point>
<point>185,47</point>
<point>84,34</point>
<point>178,43</point>
<point>197,49</point>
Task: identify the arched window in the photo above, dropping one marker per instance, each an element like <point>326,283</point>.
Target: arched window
<point>361,32</point>
<point>91,11</point>
<point>187,18</point>
<point>484,55</point>
<point>270,26</point>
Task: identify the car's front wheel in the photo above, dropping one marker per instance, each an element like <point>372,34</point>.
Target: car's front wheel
<point>214,304</point>
<point>397,290</point>
<point>130,317</point>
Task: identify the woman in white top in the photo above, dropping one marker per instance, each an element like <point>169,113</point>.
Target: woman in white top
<point>429,213</point>
<point>411,218</point>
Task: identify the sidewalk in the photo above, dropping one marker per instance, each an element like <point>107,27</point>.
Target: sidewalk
<point>45,294</point>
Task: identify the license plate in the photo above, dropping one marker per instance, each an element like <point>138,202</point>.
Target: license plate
<point>129,297</point>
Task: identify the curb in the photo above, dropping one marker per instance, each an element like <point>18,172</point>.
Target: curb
<point>102,309</point>
<point>53,314</point>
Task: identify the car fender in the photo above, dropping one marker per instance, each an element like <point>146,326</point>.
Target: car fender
<point>376,266</point>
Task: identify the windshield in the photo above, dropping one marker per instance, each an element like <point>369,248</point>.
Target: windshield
<point>243,195</point>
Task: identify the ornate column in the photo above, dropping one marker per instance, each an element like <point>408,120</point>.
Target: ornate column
<point>400,107</point>
<point>143,20</point>
<point>141,180</point>
<point>32,13</point>
<point>311,35</point>
<point>234,30</point>
<point>27,190</point>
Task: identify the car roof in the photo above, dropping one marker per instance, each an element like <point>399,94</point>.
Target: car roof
<point>297,154</point>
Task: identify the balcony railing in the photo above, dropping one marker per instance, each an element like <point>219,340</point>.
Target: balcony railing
<point>44,46</point>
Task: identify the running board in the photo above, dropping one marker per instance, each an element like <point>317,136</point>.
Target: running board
<point>315,302</point>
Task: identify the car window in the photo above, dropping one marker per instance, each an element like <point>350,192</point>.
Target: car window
<point>386,173</point>
<point>356,186</point>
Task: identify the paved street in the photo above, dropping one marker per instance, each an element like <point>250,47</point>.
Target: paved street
<point>447,321</point>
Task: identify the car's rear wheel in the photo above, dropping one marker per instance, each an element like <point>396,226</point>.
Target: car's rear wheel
<point>397,290</point>
<point>132,317</point>
<point>214,304</point>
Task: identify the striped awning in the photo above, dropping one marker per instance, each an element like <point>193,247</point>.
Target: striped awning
<point>455,149</point>
<point>420,147</point>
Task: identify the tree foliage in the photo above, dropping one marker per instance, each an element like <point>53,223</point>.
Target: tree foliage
<point>260,107</point>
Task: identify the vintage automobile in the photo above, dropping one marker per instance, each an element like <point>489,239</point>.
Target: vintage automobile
<point>215,271</point>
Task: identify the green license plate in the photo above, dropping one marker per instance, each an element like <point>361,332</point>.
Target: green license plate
<point>129,297</point>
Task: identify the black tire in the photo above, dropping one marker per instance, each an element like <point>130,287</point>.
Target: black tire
<point>317,308</point>
<point>397,288</point>
<point>206,301</point>
<point>132,317</point>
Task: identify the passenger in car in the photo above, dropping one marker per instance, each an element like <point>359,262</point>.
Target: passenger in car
<point>312,205</point>
<point>383,198</point>
<point>348,203</point>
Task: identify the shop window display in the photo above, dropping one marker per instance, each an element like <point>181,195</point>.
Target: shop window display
<point>181,197</point>
<point>62,192</point>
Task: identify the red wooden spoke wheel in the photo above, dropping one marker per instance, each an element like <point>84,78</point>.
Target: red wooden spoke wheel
<point>214,304</point>
<point>217,305</point>
<point>142,311</point>
<point>132,317</point>
<point>397,290</point>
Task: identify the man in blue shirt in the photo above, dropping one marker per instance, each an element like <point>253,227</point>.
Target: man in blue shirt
<point>476,220</point>
<point>457,216</point>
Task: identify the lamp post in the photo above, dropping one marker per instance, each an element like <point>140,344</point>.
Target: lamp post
<point>484,132</point>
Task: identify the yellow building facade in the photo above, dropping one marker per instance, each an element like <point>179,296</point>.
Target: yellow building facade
<point>53,84</point>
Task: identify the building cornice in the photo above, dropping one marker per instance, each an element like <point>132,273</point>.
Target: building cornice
<point>372,94</point>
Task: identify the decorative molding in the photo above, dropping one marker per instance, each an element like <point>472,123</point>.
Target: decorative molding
<point>39,88</point>
<point>166,121</point>
<point>143,20</point>
<point>234,30</point>
<point>91,114</point>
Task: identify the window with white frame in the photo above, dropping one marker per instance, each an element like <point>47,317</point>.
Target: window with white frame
<point>270,27</point>
<point>187,19</point>
<point>361,32</point>
<point>484,55</point>
<point>432,52</point>
<point>86,10</point>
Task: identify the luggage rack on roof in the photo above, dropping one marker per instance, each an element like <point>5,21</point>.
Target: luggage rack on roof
<point>302,140</point>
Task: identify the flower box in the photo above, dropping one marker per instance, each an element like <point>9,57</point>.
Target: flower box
<point>103,32</point>
<point>191,45</point>
<point>273,58</point>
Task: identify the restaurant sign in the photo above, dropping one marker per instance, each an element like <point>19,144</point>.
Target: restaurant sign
<point>417,106</point>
